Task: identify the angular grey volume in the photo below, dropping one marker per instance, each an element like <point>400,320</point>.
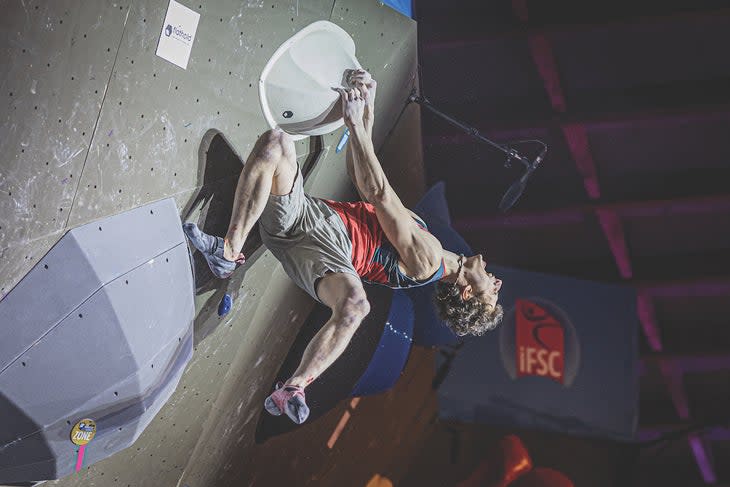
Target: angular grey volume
<point>100,328</point>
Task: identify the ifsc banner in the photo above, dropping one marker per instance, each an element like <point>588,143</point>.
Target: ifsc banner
<point>564,359</point>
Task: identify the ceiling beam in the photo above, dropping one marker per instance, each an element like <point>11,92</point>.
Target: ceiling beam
<point>577,141</point>
<point>706,287</point>
<point>544,59</point>
<point>689,363</point>
<point>541,50</point>
<point>703,459</point>
<point>653,432</point>
<point>577,138</point>
<point>647,317</point>
<point>499,129</point>
<point>575,134</point>
<point>460,39</point>
<point>672,371</point>
<point>578,214</point>
<point>613,229</point>
<point>673,378</point>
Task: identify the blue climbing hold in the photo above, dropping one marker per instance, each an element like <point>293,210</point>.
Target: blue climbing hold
<point>225,305</point>
<point>343,141</point>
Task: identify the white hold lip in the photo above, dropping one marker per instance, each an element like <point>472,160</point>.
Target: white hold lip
<point>298,80</point>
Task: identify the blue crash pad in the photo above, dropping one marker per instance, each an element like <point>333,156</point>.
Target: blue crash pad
<point>391,355</point>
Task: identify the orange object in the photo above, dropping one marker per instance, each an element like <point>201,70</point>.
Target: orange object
<point>338,429</point>
<point>506,462</point>
<point>543,477</point>
<point>378,481</point>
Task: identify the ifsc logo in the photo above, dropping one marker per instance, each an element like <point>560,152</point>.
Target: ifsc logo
<point>538,339</point>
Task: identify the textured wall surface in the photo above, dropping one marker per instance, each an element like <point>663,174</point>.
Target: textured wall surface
<point>94,123</point>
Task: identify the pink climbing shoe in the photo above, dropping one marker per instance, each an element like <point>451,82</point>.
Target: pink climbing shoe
<point>289,399</point>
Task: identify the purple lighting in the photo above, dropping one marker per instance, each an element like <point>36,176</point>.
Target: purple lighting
<point>703,461</point>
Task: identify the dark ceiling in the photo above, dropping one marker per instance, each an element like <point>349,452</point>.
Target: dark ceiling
<point>633,99</point>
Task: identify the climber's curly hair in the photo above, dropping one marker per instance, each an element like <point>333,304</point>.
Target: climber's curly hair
<point>465,316</point>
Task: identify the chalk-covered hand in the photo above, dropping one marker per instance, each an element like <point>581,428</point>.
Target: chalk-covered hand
<point>361,79</point>
<point>353,106</point>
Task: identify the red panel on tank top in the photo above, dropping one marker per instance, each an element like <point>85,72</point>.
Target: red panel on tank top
<point>366,235</point>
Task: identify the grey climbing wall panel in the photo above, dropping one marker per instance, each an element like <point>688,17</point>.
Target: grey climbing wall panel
<point>209,421</point>
<point>156,113</point>
<point>56,60</point>
<point>81,336</point>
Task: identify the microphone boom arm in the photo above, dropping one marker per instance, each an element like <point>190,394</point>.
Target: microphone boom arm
<point>515,191</point>
<point>511,153</point>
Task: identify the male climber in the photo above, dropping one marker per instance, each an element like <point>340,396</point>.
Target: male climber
<point>328,248</point>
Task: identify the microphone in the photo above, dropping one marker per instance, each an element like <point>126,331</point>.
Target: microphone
<point>514,192</point>
<point>518,187</point>
<point>538,159</point>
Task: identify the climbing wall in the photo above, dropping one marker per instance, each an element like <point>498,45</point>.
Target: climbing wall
<point>57,59</point>
<point>93,123</point>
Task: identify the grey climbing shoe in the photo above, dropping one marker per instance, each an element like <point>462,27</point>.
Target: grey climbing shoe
<point>212,249</point>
